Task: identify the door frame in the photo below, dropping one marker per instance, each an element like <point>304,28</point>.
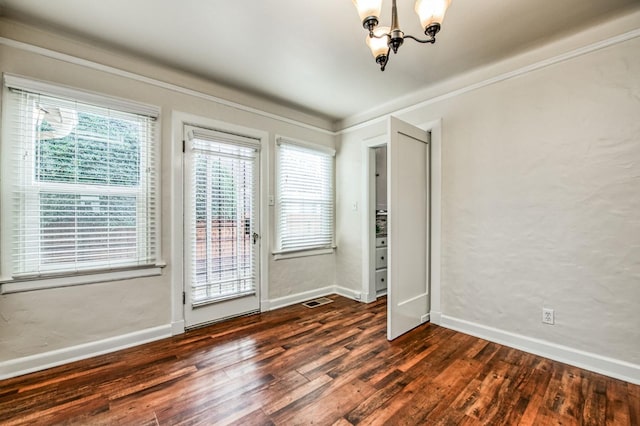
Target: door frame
<point>368,222</point>
<point>175,191</point>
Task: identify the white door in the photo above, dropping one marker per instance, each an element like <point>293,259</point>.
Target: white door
<point>221,187</point>
<point>408,227</point>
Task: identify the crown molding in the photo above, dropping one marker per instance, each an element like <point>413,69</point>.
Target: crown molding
<point>574,53</point>
<point>27,47</point>
<point>341,128</point>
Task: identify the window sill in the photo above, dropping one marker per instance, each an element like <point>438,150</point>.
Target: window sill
<point>301,253</point>
<point>21,285</point>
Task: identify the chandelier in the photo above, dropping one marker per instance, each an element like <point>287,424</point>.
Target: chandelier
<point>382,40</point>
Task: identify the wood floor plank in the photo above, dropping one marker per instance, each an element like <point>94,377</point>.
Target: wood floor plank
<point>374,402</point>
<point>534,389</point>
<point>330,365</point>
<point>295,395</point>
<point>633,398</point>
<point>335,399</point>
<point>618,407</point>
<point>402,405</point>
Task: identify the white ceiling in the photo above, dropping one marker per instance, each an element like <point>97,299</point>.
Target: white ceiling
<point>312,54</point>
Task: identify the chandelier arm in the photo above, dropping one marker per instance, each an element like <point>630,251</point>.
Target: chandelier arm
<point>383,35</point>
<point>383,66</point>
<point>429,40</point>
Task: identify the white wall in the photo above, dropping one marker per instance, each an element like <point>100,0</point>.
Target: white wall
<point>540,207</point>
<point>45,326</point>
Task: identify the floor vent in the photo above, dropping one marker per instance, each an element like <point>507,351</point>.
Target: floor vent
<point>317,302</point>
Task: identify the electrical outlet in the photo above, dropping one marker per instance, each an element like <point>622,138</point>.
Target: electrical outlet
<point>547,316</point>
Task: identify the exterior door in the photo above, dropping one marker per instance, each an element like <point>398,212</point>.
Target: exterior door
<point>220,226</point>
<point>408,228</point>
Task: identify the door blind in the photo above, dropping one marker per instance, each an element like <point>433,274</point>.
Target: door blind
<point>222,224</point>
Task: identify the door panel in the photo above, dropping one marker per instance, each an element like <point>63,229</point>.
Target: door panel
<point>221,234</point>
<point>408,227</point>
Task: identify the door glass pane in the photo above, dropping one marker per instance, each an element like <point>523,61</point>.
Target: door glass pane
<point>223,249</point>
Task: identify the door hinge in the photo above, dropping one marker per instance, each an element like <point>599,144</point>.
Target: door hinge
<point>183,146</point>
<point>184,298</point>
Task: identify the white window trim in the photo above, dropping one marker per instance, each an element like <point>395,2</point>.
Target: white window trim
<point>277,253</point>
<point>16,284</point>
<point>86,277</point>
<point>61,91</point>
<point>316,147</point>
<point>292,254</point>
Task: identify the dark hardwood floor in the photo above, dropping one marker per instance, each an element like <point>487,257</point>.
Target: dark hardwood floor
<point>322,366</point>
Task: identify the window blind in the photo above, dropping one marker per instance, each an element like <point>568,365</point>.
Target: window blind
<point>79,185</point>
<point>305,197</point>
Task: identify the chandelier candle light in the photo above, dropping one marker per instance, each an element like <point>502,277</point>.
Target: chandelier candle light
<point>381,40</point>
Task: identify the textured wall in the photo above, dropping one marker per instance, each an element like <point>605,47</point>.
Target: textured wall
<point>541,177</point>
<point>291,276</point>
<point>540,202</point>
<point>45,320</point>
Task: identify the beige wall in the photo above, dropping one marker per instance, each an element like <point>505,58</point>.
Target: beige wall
<point>540,202</point>
<point>47,320</point>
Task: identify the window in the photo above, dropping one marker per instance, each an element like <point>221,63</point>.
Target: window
<point>79,182</point>
<point>305,197</point>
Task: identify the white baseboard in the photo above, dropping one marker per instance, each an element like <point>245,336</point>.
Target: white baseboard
<point>29,364</point>
<point>177,327</point>
<point>292,299</point>
<point>348,293</point>
<point>589,361</point>
<point>368,297</point>
<point>435,317</point>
